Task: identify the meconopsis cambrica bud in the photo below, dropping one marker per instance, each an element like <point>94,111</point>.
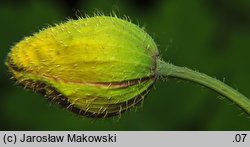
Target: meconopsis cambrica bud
<point>98,67</point>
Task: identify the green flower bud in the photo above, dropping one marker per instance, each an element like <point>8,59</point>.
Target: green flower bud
<point>98,67</point>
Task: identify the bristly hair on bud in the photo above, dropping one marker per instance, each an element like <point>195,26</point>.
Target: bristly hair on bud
<point>96,66</point>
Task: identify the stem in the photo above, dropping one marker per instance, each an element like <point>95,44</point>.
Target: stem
<point>170,70</point>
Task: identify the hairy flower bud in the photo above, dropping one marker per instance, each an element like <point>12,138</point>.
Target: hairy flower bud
<point>98,67</point>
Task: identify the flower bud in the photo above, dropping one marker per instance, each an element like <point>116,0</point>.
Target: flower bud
<point>97,67</point>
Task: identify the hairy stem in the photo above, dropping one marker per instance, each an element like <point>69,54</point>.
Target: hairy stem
<point>170,70</point>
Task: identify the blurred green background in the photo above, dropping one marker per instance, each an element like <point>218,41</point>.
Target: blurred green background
<point>212,36</point>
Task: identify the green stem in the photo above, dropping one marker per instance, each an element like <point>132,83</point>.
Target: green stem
<point>170,70</point>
